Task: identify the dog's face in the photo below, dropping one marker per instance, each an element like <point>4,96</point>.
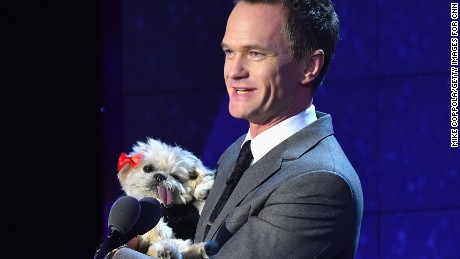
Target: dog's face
<point>170,174</point>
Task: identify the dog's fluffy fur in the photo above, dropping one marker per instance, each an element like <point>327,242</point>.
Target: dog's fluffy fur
<point>176,178</point>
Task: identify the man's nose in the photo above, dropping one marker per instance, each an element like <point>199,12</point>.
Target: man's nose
<point>236,67</point>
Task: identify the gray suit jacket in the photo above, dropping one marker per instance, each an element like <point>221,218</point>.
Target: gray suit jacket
<point>303,199</point>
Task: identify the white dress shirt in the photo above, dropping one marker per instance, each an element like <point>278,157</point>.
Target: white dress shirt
<point>270,138</point>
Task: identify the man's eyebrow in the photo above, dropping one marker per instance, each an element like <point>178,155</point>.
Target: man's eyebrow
<point>245,47</point>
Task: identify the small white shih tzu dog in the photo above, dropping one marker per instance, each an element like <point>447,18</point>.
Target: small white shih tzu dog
<point>181,182</point>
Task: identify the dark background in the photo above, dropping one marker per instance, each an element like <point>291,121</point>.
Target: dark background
<point>52,129</point>
<point>84,80</point>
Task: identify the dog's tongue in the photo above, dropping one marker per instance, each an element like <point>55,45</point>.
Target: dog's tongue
<point>165,195</point>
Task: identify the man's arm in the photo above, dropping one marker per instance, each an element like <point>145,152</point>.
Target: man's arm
<point>127,253</point>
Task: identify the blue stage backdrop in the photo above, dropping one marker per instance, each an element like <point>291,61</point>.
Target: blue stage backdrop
<point>388,91</point>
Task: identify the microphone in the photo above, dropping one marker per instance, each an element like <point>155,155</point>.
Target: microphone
<point>123,216</point>
<point>150,213</point>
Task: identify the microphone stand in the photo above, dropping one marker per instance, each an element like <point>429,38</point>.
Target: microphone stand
<point>113,241</point>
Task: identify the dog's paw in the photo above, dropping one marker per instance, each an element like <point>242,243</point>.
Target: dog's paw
<point>202,190</point>
<point>200,250</point>
<point>201,195</point>
<point>166,255</point>
<point>166,250</point>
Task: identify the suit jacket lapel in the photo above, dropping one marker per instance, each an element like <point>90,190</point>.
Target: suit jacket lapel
<point>291,148</point>
<point>252,177</point>
<point>224,170</point>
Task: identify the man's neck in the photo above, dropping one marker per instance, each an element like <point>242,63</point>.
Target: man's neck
<point>257,128</point>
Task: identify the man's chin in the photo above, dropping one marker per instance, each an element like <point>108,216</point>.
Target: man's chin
<point>238,115</point>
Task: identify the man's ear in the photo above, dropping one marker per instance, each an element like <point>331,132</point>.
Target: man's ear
<point>314,63</point>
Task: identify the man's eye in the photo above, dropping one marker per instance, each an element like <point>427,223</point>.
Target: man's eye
<point>228,52</point>
<point>255,54</point>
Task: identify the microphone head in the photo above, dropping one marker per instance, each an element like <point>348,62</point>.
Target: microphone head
<point>151,213</point>
<point>124,214</point>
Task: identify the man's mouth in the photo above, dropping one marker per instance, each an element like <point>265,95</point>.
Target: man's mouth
<point>243,90</point>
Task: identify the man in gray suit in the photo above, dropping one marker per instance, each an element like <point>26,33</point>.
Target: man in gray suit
<point>300,196</point>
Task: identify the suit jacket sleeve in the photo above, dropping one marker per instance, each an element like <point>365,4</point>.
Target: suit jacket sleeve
<point>126,253</point>
<point>309,216</point>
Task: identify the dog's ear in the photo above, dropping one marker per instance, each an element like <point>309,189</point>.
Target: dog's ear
<point>203,183</point>
<point>197,175</point>
<point>123,173</point>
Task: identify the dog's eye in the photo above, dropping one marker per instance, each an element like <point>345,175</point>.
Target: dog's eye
<point>176,177</point>
<point>148,168</point>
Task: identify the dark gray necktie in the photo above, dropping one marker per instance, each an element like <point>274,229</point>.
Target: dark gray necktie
<point>242,163</point>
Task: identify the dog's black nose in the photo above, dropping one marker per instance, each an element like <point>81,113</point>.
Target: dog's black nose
<point>160,177</point>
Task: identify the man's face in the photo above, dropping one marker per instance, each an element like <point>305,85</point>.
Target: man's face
<point>263,81</point>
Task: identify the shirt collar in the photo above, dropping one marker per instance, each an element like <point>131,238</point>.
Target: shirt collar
<point>271,137</point>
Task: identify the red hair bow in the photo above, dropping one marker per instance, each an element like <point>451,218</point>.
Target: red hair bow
<point>132,160</point>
